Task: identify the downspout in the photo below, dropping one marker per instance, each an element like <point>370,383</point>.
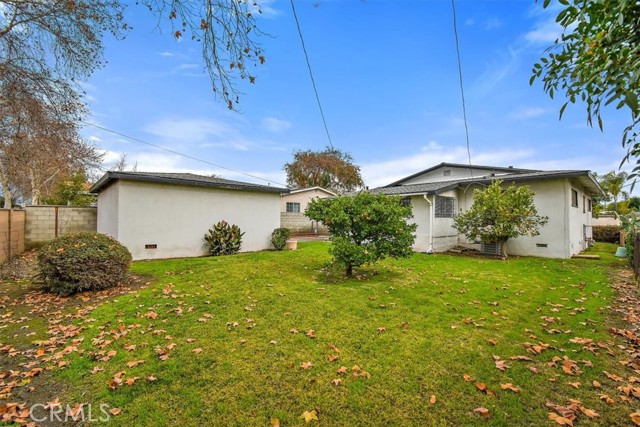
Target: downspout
<point>431,217</point>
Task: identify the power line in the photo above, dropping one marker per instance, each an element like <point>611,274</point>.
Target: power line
<point>464,107</point>
<point>313,82</point>
<point>178,153</point>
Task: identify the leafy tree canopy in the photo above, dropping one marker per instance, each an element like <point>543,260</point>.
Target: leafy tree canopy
<point>498,215</point>
<point>365,227</point>
<point>331,169</point>
<point>71,190</point>
<point>597,61</point>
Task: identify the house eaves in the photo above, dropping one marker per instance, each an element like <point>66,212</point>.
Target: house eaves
<point>185,179</point>
<point>509,170</point>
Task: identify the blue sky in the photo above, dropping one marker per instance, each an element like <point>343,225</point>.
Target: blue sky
<point>387,76</point>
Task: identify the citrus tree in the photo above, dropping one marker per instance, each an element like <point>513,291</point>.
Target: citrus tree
<point>498,215</point>
<point>365,228</point>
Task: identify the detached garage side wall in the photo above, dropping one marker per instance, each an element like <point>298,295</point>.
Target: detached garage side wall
<point>175,218</point>
<point>108,213</point>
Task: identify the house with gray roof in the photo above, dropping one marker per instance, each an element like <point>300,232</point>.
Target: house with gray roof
<point>166,215</point>
<point>438,193</point>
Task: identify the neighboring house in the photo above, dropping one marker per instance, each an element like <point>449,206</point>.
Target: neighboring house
<point>438,193</point>
<point>292,207</point>
<point>164,215</point>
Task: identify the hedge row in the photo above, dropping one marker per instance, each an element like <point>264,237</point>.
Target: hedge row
<point>606,233</point>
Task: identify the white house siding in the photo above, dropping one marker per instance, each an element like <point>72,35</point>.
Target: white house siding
<point>175,218</point>
<point>108,205</point>
<point>455,173</point>
<point>444,236</point>
<point>421,218</point>
<point>563,233</point>
<point>577,219</point>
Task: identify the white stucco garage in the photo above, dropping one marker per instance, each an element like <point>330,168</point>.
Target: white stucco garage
<point>165,215</point>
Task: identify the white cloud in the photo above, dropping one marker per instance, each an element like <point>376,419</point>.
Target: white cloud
<point>266,6</point>
<point>469,21</point>
<point>275,125</point>
<point>167,54</point>
<point>529,112</point>
<point>190,131</point>
<point>382,173</point>
<point>491,23</point>
<point>544,32</point>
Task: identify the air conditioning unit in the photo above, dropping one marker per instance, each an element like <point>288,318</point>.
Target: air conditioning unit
<point>491,248</point>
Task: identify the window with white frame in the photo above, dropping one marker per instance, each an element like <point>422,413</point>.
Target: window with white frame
<point>445,207</point>
<point>293,207</point>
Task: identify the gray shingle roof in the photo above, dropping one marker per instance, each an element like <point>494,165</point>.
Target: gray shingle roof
<point>584,176</point>
<point>189,179</point>
<point>509,169</point>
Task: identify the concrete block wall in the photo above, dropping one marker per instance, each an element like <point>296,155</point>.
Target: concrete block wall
<point>44,223</point>
<point>300,224</point>
<point>12,238</point>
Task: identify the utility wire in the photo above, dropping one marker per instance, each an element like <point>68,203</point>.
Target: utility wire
<point>178,153</point>
<point>464,107</point>
<point>313,82</point>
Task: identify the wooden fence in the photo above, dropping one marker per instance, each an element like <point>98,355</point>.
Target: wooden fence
<point>12,223</point>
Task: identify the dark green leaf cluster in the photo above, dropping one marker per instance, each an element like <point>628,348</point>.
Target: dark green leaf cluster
<point>223,239</point>
<point>279,238</point>
<point>83,262</point>
<point>365,228</point>
<point>498,215</point>
<point>606,233</point>
<point>597,61</point>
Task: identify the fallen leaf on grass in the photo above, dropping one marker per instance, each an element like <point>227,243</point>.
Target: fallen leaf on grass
<point>596,384</point>
<point>606,398</point>
<point>311,334</point>
<point>510,387</point>
<point>115,411</point>
<point>501,365</point>
<point>197,350</point>
<point>635,418</point>
<point>336,381</point>
<point>433,399</point>
<point>484,412</point>
<point>342,370</point>
<point>575,385</point>
<point>333,357</point>
<point>492,341</point>
<point>381,329</point>
<point>275,422</point>
<point>135,363</point>
<point>309,416</point>
<point>467,378</point>
<point>613,377</point>
<point>306,365</point>
<point>560,419</point>
<point>151,378</point>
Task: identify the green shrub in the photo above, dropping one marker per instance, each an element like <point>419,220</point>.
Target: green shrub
<point>223,239</point>
<point>279,238</point>
<point>606,233</point>
<point>82,262</point>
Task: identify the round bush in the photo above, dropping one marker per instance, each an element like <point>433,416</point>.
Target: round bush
<point>279,238</point>
<point>83,262</point>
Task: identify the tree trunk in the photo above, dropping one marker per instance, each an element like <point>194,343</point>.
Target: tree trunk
<point>349,270</point>
<point>6,192</point>
<point>503,249</point>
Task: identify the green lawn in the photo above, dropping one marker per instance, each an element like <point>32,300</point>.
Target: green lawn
<point>414,327</point>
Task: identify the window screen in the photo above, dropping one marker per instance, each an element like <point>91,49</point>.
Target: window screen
<point>445,207</point>
<point>293,207</point>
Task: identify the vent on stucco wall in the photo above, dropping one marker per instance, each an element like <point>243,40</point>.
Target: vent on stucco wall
<point>151,246</point>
